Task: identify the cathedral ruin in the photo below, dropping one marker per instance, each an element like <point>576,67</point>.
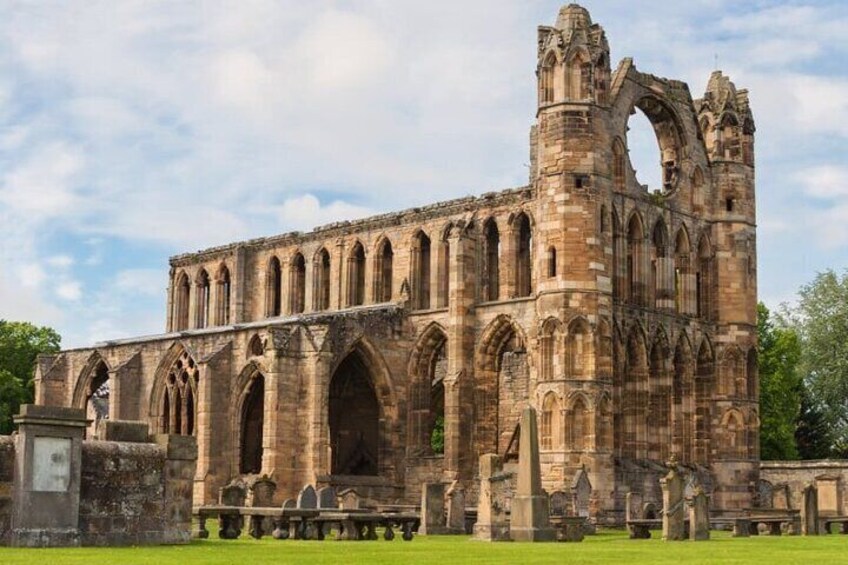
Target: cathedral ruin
<point>386,352</point>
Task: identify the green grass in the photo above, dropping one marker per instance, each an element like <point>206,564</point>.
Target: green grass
<point>606,547</point>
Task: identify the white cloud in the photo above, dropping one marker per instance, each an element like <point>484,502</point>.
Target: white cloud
<point>60,261</point>
<point>69,290</point>
<point>825,181</point>
<point>306,212</point>
<point>149,282</point>
<point>31,275</point>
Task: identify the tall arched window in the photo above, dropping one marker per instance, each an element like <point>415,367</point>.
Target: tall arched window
<point>297,284</point>
<point>181,303</point>
<point>356,276</point>
<point>682,273</point>
<point>523,256</point>
<point>635,244</point>
<point>704,280</point>
<point>661,267</point>
<point>578,350</point>
<point>618,160</point>
<point>178,407</point>
<point>97,397</point>
<point>421,270</point>
<point>252,423</point>
<point>273,288</point>
<point>604,436</point>
<point>443,291</point>
<point>734,443</point>
<point>659,386</point>
<point>549,436</point>
<point>222,298</point>
<point>550,349</point>
<point>322,280</point>
<point>383,272</point>
<point>578,428</point>
<point>552,261</point>
<point>492,256</point>
<point>704,391</point>
<point>202,305</point>
<point>547,74</point>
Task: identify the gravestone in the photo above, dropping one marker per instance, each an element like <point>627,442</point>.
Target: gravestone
<point>830,503</point>
<point>530,520</point>
<point>699,515</point>
<point>456,509</point>
<point>327,498</point>
<point>673,511</point>
<point>230,524</point>
<point>781,497</point>
<point>492,524</point>
<point>432,509</point>
<point>307,498</point>
<point>349,499</point>
<point>810,511</point>
<point>262,492</point>
<point>289,503</point>
<point>559,503</point>
<point>581,489</point>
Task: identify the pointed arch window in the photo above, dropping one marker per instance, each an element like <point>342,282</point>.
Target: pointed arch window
<point>273,287</point>
<point>297,284</point>
<point>356,276</point>
<point>322,280</point>
<point>384,272</point>
<point>222,298</point>
<point>202,305</point>
<point>179,412</point>
<point>523,258</point>
<point>492,257</point>
<point>181,304</point>
<point>618,159</point>
<point>578,428</point>
<point>421,270</point>
<point>550,424</point>
<point>635,253</point>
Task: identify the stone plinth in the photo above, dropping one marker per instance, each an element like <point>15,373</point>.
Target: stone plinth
<point>46,490</point>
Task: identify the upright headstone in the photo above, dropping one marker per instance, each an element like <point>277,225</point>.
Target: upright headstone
<point>262,491</point>
<point>456,509</point>
<point>673,511</point>
<point>432,509</point>
<point>327,498</point>
<point>48,470</point>
<point>559,503</point>
<point>699,515</point>
<point>530,520</point>
<point>233,494</point>
<point>231,523</point>
<point>492,524</point>
<point>581,489</point>
<point>810,511</point>
<point>307,498</point>
<point>349,499</point>
<point>781,497</point>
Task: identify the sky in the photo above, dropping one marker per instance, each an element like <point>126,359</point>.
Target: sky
<point>135,130</point>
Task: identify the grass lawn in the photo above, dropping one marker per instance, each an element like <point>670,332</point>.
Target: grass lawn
<point>606,547</point>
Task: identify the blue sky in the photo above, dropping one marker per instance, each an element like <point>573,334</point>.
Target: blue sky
<point>134,130</point>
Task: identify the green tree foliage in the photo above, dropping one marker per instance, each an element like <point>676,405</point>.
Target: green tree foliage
<point>812,435</point>
<point>437,437</point>
<point>821,319</point>
<point>20,344</point>
<point>780,386</point>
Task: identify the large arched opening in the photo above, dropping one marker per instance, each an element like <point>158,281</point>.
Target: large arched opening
<point>354,419</point>
<point>252,422</point>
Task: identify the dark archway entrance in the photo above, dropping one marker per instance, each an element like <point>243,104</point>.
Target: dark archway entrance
<point>252,420</point>
<point>354,419</point>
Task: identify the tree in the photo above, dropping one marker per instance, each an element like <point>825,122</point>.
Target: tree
<point>812,435</point>
<point>779,354</point>
<point>821,319</point>
<point>20,344</point>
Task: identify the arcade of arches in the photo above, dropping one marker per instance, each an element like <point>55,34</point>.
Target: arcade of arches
<point>389,351</point>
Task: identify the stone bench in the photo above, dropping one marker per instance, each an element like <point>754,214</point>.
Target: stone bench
<point>775,520</point>
<point>641,528</point>
<point>569,528</point>
<point>362,525</point>
<point>826,522</point>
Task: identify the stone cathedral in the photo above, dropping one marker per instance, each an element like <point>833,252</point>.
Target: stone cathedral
<point>386,352</point>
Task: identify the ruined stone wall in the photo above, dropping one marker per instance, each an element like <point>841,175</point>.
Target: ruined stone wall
<point>830,477</point>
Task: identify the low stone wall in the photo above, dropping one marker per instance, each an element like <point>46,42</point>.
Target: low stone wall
<point>7,472</point>
<point>830,476</point>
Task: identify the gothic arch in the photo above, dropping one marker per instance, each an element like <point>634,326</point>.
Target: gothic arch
<point>579,349</point>
<point>173,402</point>
<point>578,413</point>
<point>182,300</point>
<point>421,249</point>
<point>383,270</point>
<point>86,378</point>
<point>427,368</point>
<point>491,257</point>
<point>550,436</point>
<point>322,271</point>
<point>551,362</point>
<point>273,288</point>
<point>175,352</point>
<point>248,414</point>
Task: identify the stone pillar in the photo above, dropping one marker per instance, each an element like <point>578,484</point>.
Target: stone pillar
<point>492,524</point>
<point>460,351</point>
<point>530,519</point>
<point>180,468</point>
<point>238,287</point>
<point>281,436</point>
<point>673,511</point>
<point>810,511</point>
<point>699,516</point>
<point>46,486</point>
<point>432,509</point>
<point>212,432</point>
